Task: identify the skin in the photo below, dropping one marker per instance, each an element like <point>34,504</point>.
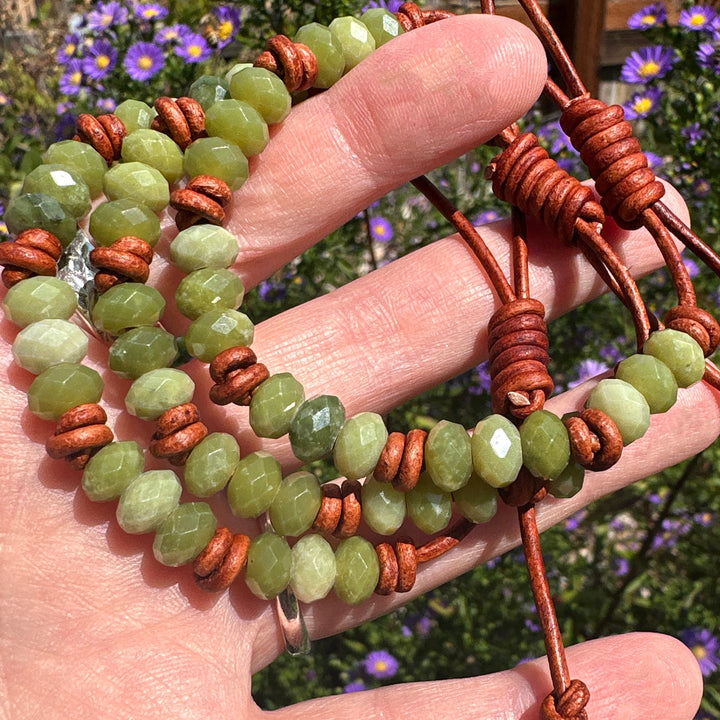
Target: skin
<point>92,626</point>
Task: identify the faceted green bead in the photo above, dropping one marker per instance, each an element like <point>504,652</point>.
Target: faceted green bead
<point>39,298</point>
<point>39,210</point>
<point>545,444</point>
<point>653,378</point>
<point>296,504</point>
<point>112,469</point>
<point>268,565</point>
<point>46,343</point>
<point>355,38</point>
<point>680,353</point>
<point>139,183</point>
<point>128,305</point>
<point>208,289</point>
<point>623,404</point>
<point>211,464</point>
<point>157,391</point>
<point>148,500</point>
<point>184,534</point>
<point>254,484</point>
<point>208,89</point>
<point>312,569</point>
<point>202,246</point>
<point>429,507</point>
<point>218,157</point>
<point>235,69</point>
<point>218,330</point>
<point>63,387</point>
<point>496,451</point>
<point>382,24</point>
<point>315,426</point>
<point>142,349</point>
<point>328,51</point>
<point>60,182</point>
<point>569,482</point>
<point>274,404</point>
<point>240,123</point>
<point>477,500</point>
<point>448,457</point>
<point>83,160</point>
<point>112,220</point>
<point>155,149</point>
<point>358,570</point>
<point>135,115</point>
<point>359,444</point>
<point>383,506</point>
<point>264,90</point>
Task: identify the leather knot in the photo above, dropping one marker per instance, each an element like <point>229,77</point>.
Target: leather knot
<point>570,705</point>
<point>595,441</point>
<point>699,324</point>
<point>411,17</point>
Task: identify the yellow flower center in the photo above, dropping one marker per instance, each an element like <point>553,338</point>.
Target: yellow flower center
<point>648,19</point>
<point>699,652</point>
<point>145,62</point>
<point>102,61</point>
<point>150,13</point>
<point>225,30</point>
<point>380,666</point>
<point>70,48</point>
<point>194,51</point>
<point>76,77</point>
<point>649,68</point>
<point>4,228</point>
<point>642,105</point>
<point>697,19</point>
<point>107,19</point>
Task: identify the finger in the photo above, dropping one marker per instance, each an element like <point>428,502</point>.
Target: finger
<point>616,670</point>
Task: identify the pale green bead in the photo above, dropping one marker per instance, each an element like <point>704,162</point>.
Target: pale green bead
<point>653,378</point>
<point>208,289</point>
<point>218,157</point>
<point>148,500</point>
<point>268,565</point>
<point>128,305</point>
<point>312,569</point>
<point>184,534</point>
<point>383,506</point>
<point>110,221</point>
<point>112,469</point>
<point>157,391</point>
<point>274,404</point>
<point>211,464</point>
<point>235,69</point>
<point>545,444</point>
<point>264,90</point>
<point>328,51</point>
<point>680,353</point>
<point>82,160</point>
<point>63,387</point>
<point>355,38</point>
<point>39,210</point>
<point>142,349</point>
<point>569,482</point>
<point>155,149</point>
<point>315,426</point>
<point>477,500</point>
<point>296,504</point>
<point>448,457</point>
<point>382,24</point>
<point>39,298</point>
<point>208,89</point>
<point>218,330</point>
<point>496,451</point>
<point>62,183</point>
<point>429,507</point>
<point>359,444</point>
<point>49,342</point>
<point>203,246</point>
<point>135,114</point>
<point>254,484</point>
<point>358,570</point>
<point>240,123</point>
<point>624,405</point>
<point>139,183</point>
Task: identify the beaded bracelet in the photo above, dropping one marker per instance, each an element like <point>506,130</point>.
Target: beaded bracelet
<point>519,454</point>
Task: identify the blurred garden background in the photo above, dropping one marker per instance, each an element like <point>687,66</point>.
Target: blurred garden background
<point>646,558</point>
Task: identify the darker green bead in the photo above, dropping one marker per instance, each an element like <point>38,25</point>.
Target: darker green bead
<point>208,89</point>
<point>142,349</point>
<point>62,183</point>
<point>315,426</point>
<point>545,444</point>
<point>128,305</point>
<point>184,534</point>
<point>112,220</point>
<point>268,565</point>
<point>40,210</point>
<point>209,289</point>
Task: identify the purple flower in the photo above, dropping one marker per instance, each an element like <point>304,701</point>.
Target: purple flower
<point>228,24</point>
<point>106,104</point>
<point>172,33</point>
<point>648,17</point>
<point>706,519</point>
<point>380,229</point>
<point>655,162</point>
<point>68,50</point>
<point>648,63</point>
<point>483,382</point>
<point>622,567</point>
<point>704,646</point>
<point>642,103</point>
<point>100,60</point>
<point>573,522</point>
<point>107,15</point>
<point>701,187</point>
<point>4,228</point>
<point>691,266</point>
<point>63,107</point>
<point>65,126</point>
<point>489,216</point>
<point>392,6</point>
<point>143,60</point>
<point>150,11</point>
<point>588,369</point>
<point>697,17</point>
<point>708,56</point>
<point>269,290</point>
<point>71,80</point>
<point>380,664</point>
<point>354,686</point>
<point>193,48</point>
<point>693,133</point>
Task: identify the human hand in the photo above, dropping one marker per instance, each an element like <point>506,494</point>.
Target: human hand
<point>86,607</point>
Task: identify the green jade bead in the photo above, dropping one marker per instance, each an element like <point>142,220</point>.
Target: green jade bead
<point>382,24</point>
<point>625,405</point>
<point>569,482</point>
<point>296,504</point>
<point>62,183</point>
<point>208,89</point>
<point>312,568</point>
<point>254,484</point>
<point>203,246</point>
<point>142,349</point>
<point>274,404</point>
<point>135,115</point>
<point>40,210</point>
<point>82,160</point>
<point>157,391</point>
<point>355,38</point>
<point>126,306</point>
<point>139,183</point>
<point>545,444</point>
<point>496,451</point>
<point>155,149</point>
<point>184,534</point>
<point>358,570</point>
<point>359,444</point>
<point>112,469</point>
<point>328,51</point>
<point>264,90</point>
<point>39,298</point>
<point>680,353</point>
<point>240,123</point>
<point>429,507</point>
<point>315,426</point>
<point>653,378</point>
<point>148,500</point>
<point>268,565</point>
<point>477,500</point>
<point>383,506</point>
<point>112,220</point>
<point>211,464</point>
<point>218,330</point>
<point>46,343</point>
<point>448,456</point>
<point>218,157</point>
<point>235,69</point>
<point>63,387</point>
<point>208,289</point>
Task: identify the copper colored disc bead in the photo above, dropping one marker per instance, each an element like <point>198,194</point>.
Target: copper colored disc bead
<point>401,460</point>
<point>104,133</point>
<point>178,431</point>
<point>398,567</point>
<point>34,252</point>
<point>340,510</point>
<point>294,63</point>
<point>182,119</point>
<point>126,260</point>
<point>217,566</point>
<point>79,434</point>
<point>236,374</point>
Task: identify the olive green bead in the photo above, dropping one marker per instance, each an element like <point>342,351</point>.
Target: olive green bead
<point>357,571</point>
<point>355,38</point>
<point>203,246</point>
<point>46,343</point>
<point>235,69</point>
<point>40,210</point>
<point>39,298</point>
<point>148,500</point>
<point>496,451</point>
<point>264,90</point>
<point>218,157</point>
<point>112,469</point>
<point>569,482</point>
<point>211,464</point>
<point>218,330</point>
<point>142,349</point>
<point>254,484</point>
<point>625,405</point>
<point>274,404</point>
<point>448,456</point>
<point>315,426</point>
<point>268,565</point>
<point>62,183</point>
<point>157,391</point>
<point>679,352</point>
<point>208,289</point>
<point>240,123</point>
<point>135,115</point>
<point>63,387</point>
<point>139,183</point>
<point>184,534</point>
<point>383,506</point>
<point>112,220</point>
<point>653,378</point>
<point>359,444</point>
<point>328,51</point>
<point>429,507</point>
<point>155,149</point>
<point>312,568</point>
<point>477,500</point>
<point>208,89</point>
<point>296,504</point>
<point>128,305</point>
<point>545,444</point>
<point>82,160</point>
<point>382,24</point>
